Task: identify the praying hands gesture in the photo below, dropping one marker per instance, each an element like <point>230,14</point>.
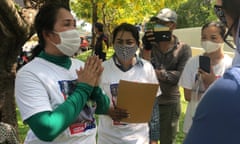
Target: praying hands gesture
<point>91,72</point>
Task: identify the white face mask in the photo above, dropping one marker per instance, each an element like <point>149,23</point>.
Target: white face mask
<point>70,42</point>
<point>210,46</point>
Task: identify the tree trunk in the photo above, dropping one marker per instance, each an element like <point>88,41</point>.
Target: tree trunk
<point>94,20</point>
<point>13,34</point>
<point>15,29</point>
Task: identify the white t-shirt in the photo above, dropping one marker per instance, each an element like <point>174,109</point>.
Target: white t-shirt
<point>123,133</point>
<point>187,80</point>
<point>42,86</point>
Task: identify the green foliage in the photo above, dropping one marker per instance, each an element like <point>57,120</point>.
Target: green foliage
<point>112,12</point>
<point>83,9</point>
<point>22,128</point>
<point>195,13</point>
<point>83,56</point>
<point>191,13</point>
<point>181,135</point>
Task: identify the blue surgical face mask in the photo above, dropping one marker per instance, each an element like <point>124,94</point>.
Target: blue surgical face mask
<point>125,52</point>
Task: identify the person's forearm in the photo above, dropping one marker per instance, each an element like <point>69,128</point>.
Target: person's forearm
<point>49,124</point>
<point>102,100</point>
<point>172,77</point>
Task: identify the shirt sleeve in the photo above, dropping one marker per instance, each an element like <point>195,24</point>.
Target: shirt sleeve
<point>102,100</point>
<point>31,95</point>
<point>153,76</point>
<point>187,78</point>
<point>49,124</point>
<point>174,75</point>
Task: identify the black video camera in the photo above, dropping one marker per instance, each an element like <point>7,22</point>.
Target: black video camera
<point>161,33</point>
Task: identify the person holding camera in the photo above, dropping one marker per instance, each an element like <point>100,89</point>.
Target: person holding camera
<point>194,79</point>
<point>168,56</point>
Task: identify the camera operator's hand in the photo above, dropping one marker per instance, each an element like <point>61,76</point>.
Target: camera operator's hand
<point>148,39</point>
<point>150,36</point>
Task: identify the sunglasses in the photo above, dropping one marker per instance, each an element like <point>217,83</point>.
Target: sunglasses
<point>220,13</point>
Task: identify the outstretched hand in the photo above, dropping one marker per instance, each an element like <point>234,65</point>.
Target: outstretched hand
<point>91,72</point>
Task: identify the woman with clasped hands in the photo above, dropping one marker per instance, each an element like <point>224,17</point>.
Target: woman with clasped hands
<point>56,94</point>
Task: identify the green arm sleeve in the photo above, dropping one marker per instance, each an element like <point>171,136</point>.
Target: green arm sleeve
<point>102,100</point>
<point>49,124</point>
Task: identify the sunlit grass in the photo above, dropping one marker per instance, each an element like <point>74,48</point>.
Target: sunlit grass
<point>180,134</point>
<point>83,56</point>
<point>22,128</point>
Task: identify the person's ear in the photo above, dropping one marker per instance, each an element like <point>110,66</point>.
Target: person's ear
<point>46,34</point>
<point>49,35</point>
<point>172,26</point>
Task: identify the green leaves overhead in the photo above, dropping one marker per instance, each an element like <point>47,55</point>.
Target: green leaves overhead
<point>193,13</point>
<point>112,12</point>
<point>117,11</point>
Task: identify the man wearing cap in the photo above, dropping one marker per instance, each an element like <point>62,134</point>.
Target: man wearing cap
<point>168,56</point>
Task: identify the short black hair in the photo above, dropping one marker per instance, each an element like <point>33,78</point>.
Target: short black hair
<point>217,24</point>
<point>45,21</point>
<point>99,26</point>
<point>128,28</point>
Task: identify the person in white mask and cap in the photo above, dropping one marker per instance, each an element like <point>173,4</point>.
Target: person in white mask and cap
<point>195,80</point>
<point>217,116</point>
